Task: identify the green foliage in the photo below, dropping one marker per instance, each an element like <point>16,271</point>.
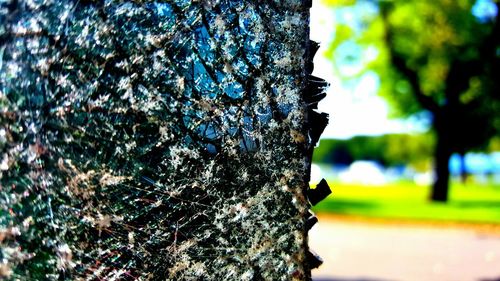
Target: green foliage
<point>430,35</point>
<point>390,150</point>
<point>437,56</point>
<point>494,144</point>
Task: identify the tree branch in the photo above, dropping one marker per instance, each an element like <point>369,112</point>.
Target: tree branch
<point>462,71</point>
<point>489,48</point>
<point>399,63</point>
<point>490,51</point>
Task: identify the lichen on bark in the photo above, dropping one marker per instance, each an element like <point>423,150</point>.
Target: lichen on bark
<point>153,140</point>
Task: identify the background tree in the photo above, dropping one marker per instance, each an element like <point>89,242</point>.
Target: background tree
<point>433,56</point>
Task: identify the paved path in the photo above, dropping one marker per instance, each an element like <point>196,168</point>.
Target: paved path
<point>355,251</point>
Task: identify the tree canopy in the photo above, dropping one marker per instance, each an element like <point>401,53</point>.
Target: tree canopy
<point>436,56</point>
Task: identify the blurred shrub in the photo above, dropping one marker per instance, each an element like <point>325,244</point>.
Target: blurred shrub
<point>389,150</point>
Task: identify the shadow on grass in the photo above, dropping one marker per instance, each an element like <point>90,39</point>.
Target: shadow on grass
<point>477,204</point>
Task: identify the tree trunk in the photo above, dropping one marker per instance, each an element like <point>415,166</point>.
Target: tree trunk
<point>154,140</point>
<point>442,154</point>
<point>464,174</point>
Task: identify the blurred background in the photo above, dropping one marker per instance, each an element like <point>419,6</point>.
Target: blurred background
<point>412,151</point>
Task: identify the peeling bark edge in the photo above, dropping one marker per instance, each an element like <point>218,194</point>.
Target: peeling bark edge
<point>315,124</point>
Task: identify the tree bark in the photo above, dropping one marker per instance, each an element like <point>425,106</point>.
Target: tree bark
<point>155,140</point>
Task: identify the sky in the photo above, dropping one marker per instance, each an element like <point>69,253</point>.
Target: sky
<point>355,109</point>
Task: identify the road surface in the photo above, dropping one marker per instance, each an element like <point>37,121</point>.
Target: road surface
<point>357,251</point>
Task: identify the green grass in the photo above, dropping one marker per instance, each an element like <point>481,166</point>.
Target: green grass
<point>470,203</point>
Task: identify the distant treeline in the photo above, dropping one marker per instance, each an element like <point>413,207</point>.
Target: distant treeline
<point>389,150</point>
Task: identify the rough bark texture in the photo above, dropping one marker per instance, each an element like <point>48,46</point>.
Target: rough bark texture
<point>153,140</point>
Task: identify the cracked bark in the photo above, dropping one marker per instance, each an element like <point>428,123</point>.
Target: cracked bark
<point>154,140</point>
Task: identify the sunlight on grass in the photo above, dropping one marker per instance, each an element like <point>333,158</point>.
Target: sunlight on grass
<point>405,200</point>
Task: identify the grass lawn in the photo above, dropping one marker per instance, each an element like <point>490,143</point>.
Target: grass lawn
<point>469,203</point>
